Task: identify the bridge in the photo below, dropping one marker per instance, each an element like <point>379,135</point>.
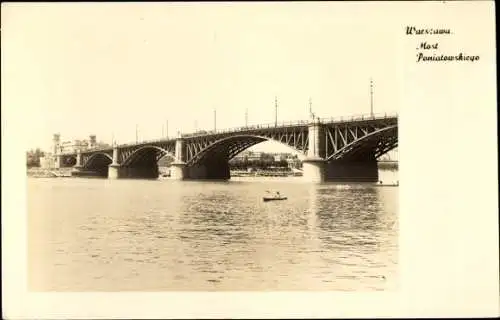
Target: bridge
<point>334,149</point>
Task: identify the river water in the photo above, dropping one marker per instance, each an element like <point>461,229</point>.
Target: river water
<point>159,235</point>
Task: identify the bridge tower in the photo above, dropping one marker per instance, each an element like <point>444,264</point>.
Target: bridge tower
<point>56,143</point>
<point>92,141</point>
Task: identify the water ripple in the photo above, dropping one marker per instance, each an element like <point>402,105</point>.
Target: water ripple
<point>165,235</point>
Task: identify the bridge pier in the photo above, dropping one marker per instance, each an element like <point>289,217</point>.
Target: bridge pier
<point>314,164</point>
<point>317,169</point>
<point>314,170</point>
<point>77,168</point>
<point>115,170</point>
<point>58,161</point>
<point>178,170</point>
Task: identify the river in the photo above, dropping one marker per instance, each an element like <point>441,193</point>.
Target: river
<point>90,234</point>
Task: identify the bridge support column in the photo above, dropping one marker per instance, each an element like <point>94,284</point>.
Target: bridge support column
<point>77,168</point>
<point>115,170</point>
<point>314,170</point>
<point>314,164</point>
<point>78,163</point>
<point>57,161</point>
<point>178,170</point>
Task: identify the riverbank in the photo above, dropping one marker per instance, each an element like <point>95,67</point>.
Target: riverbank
<point>36,172</point>
<point>388,165</point>
<point>48,173</point>
<point>263,173</point>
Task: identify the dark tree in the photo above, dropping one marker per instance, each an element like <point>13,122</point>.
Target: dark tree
<point>33,157</point>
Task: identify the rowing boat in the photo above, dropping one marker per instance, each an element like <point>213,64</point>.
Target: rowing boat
<point>273,198</point>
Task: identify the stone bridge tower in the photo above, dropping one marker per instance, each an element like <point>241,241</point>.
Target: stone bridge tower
<point>56,149</point>
<point>92,141</point>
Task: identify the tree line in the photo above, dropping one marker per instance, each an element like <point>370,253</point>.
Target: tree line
<point>33,157</point>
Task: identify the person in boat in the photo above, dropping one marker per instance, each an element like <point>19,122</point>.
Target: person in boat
<point>277,194</point>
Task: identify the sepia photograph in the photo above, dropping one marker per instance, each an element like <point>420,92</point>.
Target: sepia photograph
<point>218,147</point>
<point>251,165</point>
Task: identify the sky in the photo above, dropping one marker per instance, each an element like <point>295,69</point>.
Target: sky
<point>105,69</point>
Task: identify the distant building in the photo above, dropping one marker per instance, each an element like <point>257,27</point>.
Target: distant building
<point>250,159</point>
<point>68,146</point>
<point>47,161</point>
<point>282,156</point>
<point>294,163</point>
<point>71,146</point>
<point>248,155</point>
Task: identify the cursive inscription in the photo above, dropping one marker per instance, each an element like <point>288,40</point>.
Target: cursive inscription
<point>426,31</point>
<point>428,51</point>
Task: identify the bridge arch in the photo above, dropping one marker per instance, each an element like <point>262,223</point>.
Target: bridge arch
<point>228,147</point>
<point>69,161</point>
<point>146,153</point>
<point>98,160</point>
<point>374,144</point>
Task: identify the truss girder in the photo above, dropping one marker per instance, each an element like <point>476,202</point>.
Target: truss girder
<point>374,142</point>
<point>136,154</point>
<point>230,144</point>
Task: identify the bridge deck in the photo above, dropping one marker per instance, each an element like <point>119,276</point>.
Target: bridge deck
<point>357,119</point>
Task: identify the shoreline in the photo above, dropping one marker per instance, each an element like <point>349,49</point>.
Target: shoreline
<point>36,172</point>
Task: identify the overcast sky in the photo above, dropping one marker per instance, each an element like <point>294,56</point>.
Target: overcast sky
<point>81,69</point>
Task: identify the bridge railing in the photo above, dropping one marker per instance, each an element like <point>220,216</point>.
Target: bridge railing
<point>281,124</point>
<point>145,141</point>
<point>359,117</point>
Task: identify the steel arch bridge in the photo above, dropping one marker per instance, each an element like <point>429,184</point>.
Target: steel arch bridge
<point>351,140</point>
